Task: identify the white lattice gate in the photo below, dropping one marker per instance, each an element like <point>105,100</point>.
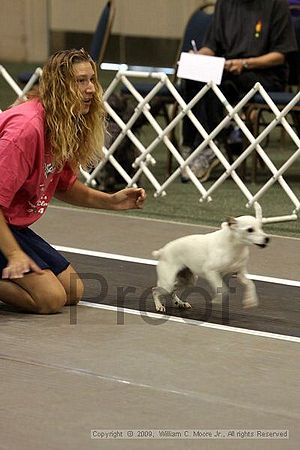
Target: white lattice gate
<point>145,160</point>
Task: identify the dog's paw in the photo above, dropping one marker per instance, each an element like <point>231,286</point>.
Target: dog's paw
<point>250,302</point>
<point>183,305</point>
<point>180,304</point>
<point>160,308</point>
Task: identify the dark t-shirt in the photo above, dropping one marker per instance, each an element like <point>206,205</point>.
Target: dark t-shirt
<point>250,28</point>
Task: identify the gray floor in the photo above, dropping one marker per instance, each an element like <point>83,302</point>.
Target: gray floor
<point>60,380</point>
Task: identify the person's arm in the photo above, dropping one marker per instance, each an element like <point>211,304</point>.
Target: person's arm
<point>18,263</point>
<point>203,51</point>
<point>206,51</point>
<point>81,195</point>
<point>236,66</point>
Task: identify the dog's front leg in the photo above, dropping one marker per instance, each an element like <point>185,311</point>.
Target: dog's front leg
<point>179,303</point>
<point>219,288</point>
<point>250,297</point>
<point>159,296</point>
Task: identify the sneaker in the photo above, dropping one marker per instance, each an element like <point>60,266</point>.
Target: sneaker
<point>199,166</point>
<point>203,164</point>
<point>214,163</point>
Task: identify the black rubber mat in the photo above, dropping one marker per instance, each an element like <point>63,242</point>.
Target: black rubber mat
<point>128,285</point>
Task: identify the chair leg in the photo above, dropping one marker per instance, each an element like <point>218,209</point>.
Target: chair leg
<point>173,139</point>
<point>170,156</point>
<point>253,121</point>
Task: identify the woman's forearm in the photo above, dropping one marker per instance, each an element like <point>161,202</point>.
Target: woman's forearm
<point>81,195</point>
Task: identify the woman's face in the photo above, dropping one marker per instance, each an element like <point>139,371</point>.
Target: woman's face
<point>85,78</point>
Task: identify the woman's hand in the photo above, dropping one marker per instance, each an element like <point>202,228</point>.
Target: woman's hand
<point>18,265</point>
<point>129,198</point>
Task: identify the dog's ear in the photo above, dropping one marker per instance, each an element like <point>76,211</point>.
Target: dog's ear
<point>231,221</point>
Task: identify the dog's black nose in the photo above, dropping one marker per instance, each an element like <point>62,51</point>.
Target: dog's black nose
<point>267,240</point>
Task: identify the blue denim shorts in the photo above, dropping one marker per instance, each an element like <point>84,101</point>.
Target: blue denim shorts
<point>42,253</point>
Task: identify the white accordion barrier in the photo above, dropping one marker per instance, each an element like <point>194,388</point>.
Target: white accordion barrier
<point>145,161</point>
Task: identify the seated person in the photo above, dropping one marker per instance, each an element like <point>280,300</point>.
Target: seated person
<point>254,37</point>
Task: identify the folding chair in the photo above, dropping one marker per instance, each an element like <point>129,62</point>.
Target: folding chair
<point>281,99</point>
<point>103,32</point>
<point>100,37</point>
<point>195,27</point>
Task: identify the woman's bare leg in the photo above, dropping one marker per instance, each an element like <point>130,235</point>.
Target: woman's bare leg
<point>72,284</point>
<point>41,294</point>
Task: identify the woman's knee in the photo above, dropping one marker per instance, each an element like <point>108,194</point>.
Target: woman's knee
<point>40,294</point>
<point>50,293</point>
<point>72,284</point>
<point>75,294</point>
<point>52,301</point>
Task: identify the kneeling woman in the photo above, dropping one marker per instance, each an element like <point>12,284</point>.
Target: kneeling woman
<point>43,141</point>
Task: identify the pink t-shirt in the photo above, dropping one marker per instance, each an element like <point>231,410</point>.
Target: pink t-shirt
<point>28,180</point>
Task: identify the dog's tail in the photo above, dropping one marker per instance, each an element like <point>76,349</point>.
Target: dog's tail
<point>157,253</point>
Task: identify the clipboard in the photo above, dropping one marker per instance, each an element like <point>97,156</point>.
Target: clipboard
<point>203,68</point>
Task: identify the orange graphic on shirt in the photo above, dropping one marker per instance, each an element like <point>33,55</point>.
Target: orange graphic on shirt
<point>258,28</point>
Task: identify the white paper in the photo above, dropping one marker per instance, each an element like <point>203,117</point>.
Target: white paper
<point>200,67</point>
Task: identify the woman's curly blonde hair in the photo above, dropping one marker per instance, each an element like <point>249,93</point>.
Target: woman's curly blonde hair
<point>75,138</point>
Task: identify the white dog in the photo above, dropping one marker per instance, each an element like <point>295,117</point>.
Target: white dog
<point>211,256</point>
